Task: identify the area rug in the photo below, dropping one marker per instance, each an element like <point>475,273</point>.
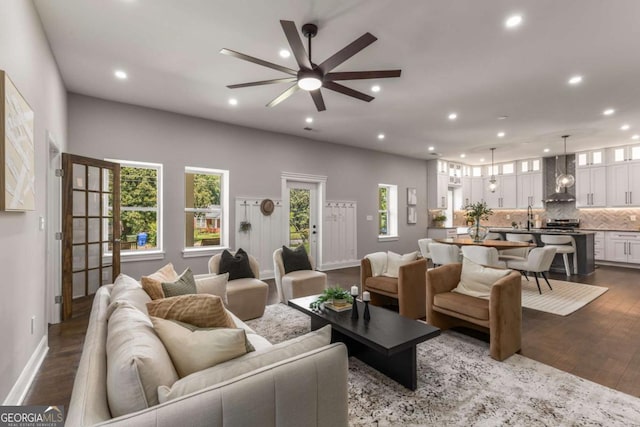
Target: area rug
<point>460,385</point>
<point>564,299</point>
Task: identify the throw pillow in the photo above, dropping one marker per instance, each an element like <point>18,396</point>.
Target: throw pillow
<point>194,349</point>
<point>137,362</point>
<point>246,363</point>
<point>395,261</point>
<point>476,280</point>
<point>378,261</point>
<point>236,265</point>
<point>152,284</point>
<point>201,310</point>
<point>127,290</point>
<point>213,284</point>
<point>295,260</point>
<point>185,284</point>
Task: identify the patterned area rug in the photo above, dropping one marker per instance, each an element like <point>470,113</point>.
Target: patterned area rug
<point>460,385</point>
<point>564,299</point>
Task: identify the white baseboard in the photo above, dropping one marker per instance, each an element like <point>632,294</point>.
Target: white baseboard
<point>617,264</point>
<point>339,265</point>
<point>21,386</point>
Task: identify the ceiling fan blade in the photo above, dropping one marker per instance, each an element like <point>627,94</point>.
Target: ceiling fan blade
<point>284,95</point>
<point>258,61</point>
<point>295,42</point>
<point>347,91</point>
<point>263,82</point>
<point>358,75</point>
<point>316,95</point>
<point>347,52</point>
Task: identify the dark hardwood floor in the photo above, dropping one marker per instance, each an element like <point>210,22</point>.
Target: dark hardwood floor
<point>600,342</point>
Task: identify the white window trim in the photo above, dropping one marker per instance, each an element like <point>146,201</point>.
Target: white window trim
<point>195,251</point>
<point>145,254</point>
<point>392,206</point>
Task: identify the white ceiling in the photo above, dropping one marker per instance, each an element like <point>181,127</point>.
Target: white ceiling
<point>454,55</point>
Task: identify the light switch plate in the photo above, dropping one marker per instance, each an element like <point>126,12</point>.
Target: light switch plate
<point>41,223</point>
<point>369,217</point>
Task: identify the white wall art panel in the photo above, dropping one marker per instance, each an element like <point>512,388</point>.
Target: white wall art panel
<point>339,238</point>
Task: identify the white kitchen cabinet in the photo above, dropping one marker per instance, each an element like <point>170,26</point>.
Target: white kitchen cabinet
<point>437,184</point>
<point>477,190</point>
<point>624,184</point>
<point>626,153</point>
<point>599,246</point>
<point>591,187</point>
<point>466,191</point>
<point>623,246</point>
<point>505,195</point>
<point>589,158</point>
<point>529,191</point>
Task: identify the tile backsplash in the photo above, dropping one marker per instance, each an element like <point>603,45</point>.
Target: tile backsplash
<point>597,219</point>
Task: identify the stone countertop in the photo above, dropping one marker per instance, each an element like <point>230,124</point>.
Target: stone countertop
<point>619,230</point>
<point>581,232</point>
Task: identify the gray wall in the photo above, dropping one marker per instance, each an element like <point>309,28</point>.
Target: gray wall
<point>255,159</point>
<point>25,56</point>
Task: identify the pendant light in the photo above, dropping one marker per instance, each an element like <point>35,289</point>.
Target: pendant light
<point>565,180</point>
<point>492,181</point>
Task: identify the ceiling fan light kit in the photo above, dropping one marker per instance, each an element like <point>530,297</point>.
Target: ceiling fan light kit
<point>311,77</point>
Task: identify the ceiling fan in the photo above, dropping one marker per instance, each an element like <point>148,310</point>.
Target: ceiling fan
<point>311,77</point>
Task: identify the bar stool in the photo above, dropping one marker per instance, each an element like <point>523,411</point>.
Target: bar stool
<point>564,245</point>
<point>518,254</point>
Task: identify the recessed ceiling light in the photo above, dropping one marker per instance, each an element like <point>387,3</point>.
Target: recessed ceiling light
<point>233,101</point>
<point>513,21</point>
<point>120,74</point>
<point>453,116</point>
<point>375,88</point>
<point>546,150</point>
<point>309,120</point>
<point>575,80</point>
<point>462,156</point>
<point>636,136</point>
<point>482,159</point>
<point>431,148</point>
<point>381,136</point>
<point>501,134</point>
<point>608,111</point>
<point>625,127</point>
<point>284,53</point>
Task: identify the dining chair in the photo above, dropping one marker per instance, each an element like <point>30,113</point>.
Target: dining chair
<point>517,253</point>
<point>538,261</point>
<point>483,255</point>
<point>442,253</point>
<point>423,244</point>
<point>564,245</point>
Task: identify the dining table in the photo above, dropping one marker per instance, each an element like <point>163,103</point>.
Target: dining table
<point>498,244</point>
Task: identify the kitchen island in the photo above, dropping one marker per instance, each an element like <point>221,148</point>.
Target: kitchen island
<point>584,247</point>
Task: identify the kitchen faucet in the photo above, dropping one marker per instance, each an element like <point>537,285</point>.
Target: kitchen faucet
<point>529,217</point>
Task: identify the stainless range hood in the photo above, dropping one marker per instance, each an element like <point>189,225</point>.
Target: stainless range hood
<point>559,197</point>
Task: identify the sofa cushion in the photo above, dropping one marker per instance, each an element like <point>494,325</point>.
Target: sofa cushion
<point>127,290</point>
<point>378,261</point>
<point>194,349</point>
<point>201,310</point>
<point>295,259</point>
<point>382,283</point>
<point>478,308</point>
<point>185,284</point>
<point>476,280</point>
<point>213,284</point>
<point>237,265</point>
<point>152,284</point>
<point>247,363</point>
<point>137,362</point>
<point>395,261</point>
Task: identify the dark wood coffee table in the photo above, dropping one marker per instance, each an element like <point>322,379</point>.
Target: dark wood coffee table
<point>387,342</point>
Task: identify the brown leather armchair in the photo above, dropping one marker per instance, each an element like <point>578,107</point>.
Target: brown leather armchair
<point>500,315</point>
<point>409,288</point>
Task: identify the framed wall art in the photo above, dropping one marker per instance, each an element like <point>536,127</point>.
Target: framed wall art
<point>412,215</point>
<point>412,196</point>
<point>17,163</point>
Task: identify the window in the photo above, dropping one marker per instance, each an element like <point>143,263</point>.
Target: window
<point>206,208</point>
<point>387,211</point>
<point>140,207</point>
<point>507,168</point>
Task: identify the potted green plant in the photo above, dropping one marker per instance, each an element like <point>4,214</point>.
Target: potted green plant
<point>439,219</point>
<point>475,213</point>
<point>337,296</point>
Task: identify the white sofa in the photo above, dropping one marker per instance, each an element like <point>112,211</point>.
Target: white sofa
<point>309,389</point>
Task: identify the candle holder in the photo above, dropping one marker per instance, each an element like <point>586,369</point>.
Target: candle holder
<point>354,309</point>
<point>366,316</point>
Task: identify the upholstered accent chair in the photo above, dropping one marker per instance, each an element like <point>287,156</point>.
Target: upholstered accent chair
<point>296,284</point>
<point>408,289</point>
<point>247,297</point>
<point>500,315</point>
